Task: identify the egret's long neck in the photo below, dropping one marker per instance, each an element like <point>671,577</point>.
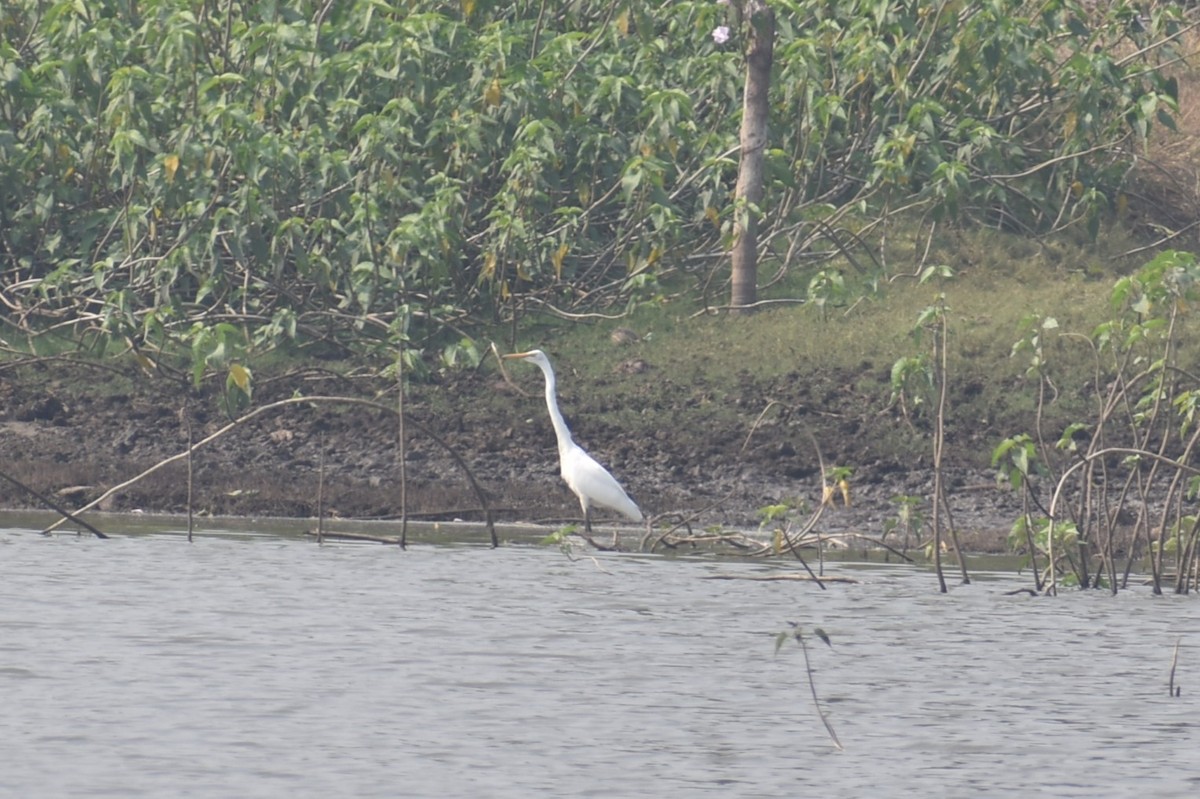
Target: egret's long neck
<point>561,431</point>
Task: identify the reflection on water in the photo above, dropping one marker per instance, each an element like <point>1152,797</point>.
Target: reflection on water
<point>263,666</point>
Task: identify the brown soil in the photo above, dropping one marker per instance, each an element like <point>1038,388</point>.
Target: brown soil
<point>72,439</point>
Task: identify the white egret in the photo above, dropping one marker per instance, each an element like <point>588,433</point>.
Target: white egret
<point>590,481</point>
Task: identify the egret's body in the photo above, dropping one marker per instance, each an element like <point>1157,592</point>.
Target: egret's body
<point>590,481</point>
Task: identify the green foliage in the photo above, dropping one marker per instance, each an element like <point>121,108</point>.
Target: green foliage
<point>1137,445</point>
<point>1015,460</point>
<point>839,474</point>
<point>1170,277</point>
<point>773,513</point>
<point>312,169</point>
<point>1039,531</point>
<point>925,99</point>
<point>909,518</point>
<point>781,512</point>
<point>912,380</point>
<point>777,519</point>
<point>827,288</point>
<point>213,347</point>
<point>1033,341</point>
<point>560,537</point>
<point>914,377</point>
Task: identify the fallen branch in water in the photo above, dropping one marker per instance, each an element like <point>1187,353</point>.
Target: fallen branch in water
<point>783,576</point>
<point>374,539</point>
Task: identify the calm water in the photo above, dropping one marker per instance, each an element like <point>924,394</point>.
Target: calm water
<point>261,666</point>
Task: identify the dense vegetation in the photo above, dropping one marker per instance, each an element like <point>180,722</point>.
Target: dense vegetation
<point>210,178</point>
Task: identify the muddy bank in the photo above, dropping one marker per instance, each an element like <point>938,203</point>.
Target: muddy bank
<point>73,439</point>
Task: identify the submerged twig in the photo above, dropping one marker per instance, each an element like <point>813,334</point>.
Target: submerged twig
<point>1172,689</point>
<point>812,685</point>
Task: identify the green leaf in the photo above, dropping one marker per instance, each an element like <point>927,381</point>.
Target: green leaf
<point>1020,459</point>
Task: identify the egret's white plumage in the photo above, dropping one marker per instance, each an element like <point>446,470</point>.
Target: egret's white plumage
<point>590,481</point>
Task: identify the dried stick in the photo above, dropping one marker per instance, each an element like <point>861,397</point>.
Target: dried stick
<point>321,493</point>
<point>401,453</point>
<point>190,481</point>
<point>812,523</point>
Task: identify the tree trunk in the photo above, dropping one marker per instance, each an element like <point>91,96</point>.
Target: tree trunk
<point>760,53</point>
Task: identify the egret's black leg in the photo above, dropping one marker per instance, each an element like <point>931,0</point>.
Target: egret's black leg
<point>587,527</point>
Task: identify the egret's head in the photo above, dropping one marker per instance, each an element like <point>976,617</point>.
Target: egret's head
<point>533,356</point>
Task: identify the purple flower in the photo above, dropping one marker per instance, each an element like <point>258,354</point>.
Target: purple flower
<point>720,34</point>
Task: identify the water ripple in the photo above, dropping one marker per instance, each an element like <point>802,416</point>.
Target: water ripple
<point>262,667</point>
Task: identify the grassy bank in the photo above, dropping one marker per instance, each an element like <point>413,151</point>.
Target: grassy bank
<point>836,362</point>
